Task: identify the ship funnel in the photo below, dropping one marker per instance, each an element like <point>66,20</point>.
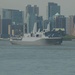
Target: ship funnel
<point>35,27</point>
<point>38,30</point>
<point>48,27</point>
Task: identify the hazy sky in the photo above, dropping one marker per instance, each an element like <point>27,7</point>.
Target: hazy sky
<point>67,6</point>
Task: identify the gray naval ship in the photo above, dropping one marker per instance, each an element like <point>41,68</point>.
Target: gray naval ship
<point>44,37</point>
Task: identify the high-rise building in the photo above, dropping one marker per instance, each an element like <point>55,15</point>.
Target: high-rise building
<point>0,26</point>
<point>31,13</point>
<point>70,25</point>
<point>39,20</point>
<point>8,18</point>
<point>58,22</point>
<point>53,8</point>
<point>45,22</point>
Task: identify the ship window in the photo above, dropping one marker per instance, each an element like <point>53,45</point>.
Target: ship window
<point>37,35</point>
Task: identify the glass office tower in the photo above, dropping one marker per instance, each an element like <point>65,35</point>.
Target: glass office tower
<point>9,18</point>
<point>31,13</point>
<point>53,8</point>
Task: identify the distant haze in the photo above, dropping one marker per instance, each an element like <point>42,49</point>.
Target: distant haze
<point>67,6</point>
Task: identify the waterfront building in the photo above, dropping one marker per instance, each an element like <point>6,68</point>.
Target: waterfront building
<point>53,8</point>
<point>58,22</point>
<point>31,13</point>
<point>0,26</point>
<point>8,18</point>
<point>70,25</point>
<point>39,21</point>
<point>45,23</point>
<point>17,30</point>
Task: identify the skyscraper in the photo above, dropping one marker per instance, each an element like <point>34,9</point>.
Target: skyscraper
<point>53,8</point>
<point>8,18</point>
<point>39,20</point>
<point>58,22</point>
<point>70,25</point>
<point>31,13</point>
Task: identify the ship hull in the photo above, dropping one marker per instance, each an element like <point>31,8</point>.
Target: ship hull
<point>49,41</point>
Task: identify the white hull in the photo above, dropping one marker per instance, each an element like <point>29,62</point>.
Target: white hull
<point>43,41</point>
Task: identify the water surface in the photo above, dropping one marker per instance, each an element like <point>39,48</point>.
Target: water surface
<point>37,60</point>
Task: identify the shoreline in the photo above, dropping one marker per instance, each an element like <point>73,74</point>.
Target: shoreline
<point>4,39</point>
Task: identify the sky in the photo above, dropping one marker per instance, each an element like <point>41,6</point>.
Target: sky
<point>67,6</point>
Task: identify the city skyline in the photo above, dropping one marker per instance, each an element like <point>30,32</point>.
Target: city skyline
<point>67,6</point>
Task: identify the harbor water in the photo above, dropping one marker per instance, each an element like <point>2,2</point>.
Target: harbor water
<point>37,60</point>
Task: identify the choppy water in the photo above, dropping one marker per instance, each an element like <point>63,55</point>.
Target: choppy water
<point>37,60</point>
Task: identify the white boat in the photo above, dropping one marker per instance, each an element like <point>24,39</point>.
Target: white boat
<point>37,38</point>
